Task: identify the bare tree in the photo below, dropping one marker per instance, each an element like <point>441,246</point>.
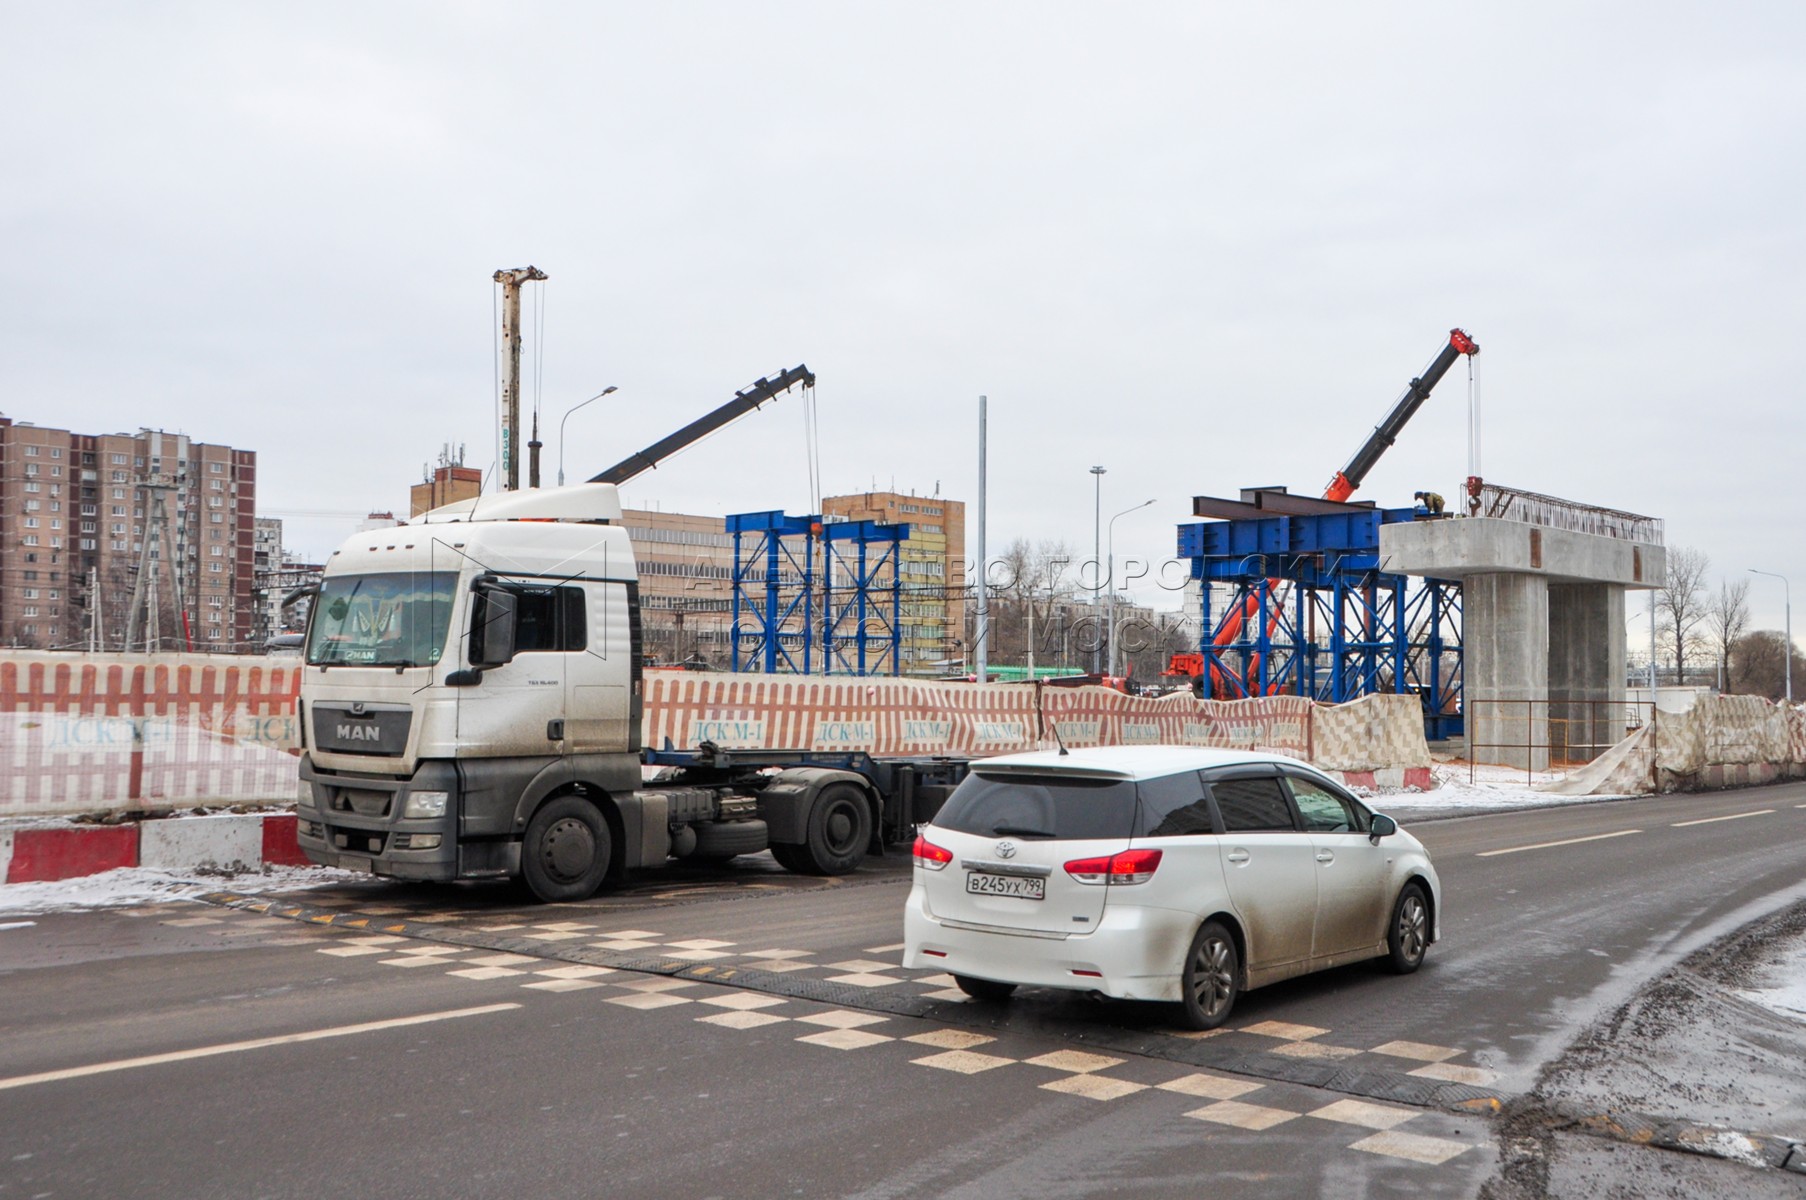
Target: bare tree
<point>1759,664</point>
<point>1681,602</point>
<point>1031,596</point>
<point>1728,619</point>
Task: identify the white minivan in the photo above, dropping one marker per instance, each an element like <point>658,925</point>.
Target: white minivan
<point>1163,873</point>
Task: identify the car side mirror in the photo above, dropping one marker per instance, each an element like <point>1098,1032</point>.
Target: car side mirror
<point>1383,826</point>
<point>493,618</point>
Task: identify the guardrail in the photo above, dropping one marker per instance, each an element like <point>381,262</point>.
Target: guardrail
<point>1551,736</point>
<point>1552,512</point>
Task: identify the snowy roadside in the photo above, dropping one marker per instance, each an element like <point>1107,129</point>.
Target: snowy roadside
<point>126,887</point>
<point>1490,789</point>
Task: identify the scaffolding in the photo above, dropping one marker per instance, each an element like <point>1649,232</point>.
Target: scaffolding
<point>816,597</point>
<point>1324,620</point>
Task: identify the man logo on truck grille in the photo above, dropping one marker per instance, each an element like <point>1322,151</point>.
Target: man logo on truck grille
<point>359,733</point>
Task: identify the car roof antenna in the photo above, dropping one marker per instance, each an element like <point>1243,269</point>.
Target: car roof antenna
<point>1058,740</point>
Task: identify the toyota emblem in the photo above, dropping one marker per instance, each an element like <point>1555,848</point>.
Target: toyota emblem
<point>1006,849</point>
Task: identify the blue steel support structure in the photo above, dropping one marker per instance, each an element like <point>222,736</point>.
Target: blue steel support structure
<point>777,627</point>
<point>1330,623</point>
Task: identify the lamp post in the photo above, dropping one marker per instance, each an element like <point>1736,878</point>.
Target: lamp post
<point>1097,548</point>
<point>1787,599</point>
<point>567,416</point>
<point>1110,558</point>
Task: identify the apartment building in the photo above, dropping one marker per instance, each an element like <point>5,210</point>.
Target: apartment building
<point>933,567</point>
<point>75,516</point>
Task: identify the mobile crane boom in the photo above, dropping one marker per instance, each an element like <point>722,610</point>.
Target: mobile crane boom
<point>744,401</point>
<point>1386,432</point>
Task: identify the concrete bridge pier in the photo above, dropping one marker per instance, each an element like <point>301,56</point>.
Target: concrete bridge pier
<point>1542,627</point>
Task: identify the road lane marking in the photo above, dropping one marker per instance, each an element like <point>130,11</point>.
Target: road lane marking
<point>1761,812</point>
<point>1597,837</point>
<point>314,1035</point>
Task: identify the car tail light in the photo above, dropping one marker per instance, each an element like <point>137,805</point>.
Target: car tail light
<point>930,856</point>
<point>1130,866</point>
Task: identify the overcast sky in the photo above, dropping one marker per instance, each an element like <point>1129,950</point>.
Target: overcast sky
<point>1203,245</point>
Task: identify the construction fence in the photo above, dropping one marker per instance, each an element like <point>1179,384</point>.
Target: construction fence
<point>1720,741</point>
<point>131,733</point>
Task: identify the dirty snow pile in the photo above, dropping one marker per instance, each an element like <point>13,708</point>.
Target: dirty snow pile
<point>130,886</point>
<point>1785,992</point>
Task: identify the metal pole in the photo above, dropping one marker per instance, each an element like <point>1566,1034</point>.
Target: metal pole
<point>981,633</point>
<point>567,416</point>
<point>1787,599</point>
<point>1652,653</point>
<point>1097,561</point>
<point>511,281</point>
<point>1110,557</point>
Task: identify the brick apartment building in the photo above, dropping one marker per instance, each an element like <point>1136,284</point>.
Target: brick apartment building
<point>74,516</point>
<point>933,565</point>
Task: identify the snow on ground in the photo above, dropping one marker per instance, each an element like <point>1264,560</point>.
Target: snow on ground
<point>1786,980</point>
<point>131,886</point>
<point>1479,788</point>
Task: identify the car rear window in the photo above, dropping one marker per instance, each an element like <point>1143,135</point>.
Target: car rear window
<point>1049,806</point>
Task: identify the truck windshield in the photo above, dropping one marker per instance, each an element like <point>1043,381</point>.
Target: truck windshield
<point>387,620</point>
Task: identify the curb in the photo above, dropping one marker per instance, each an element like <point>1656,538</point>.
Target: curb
<point>228,842</point>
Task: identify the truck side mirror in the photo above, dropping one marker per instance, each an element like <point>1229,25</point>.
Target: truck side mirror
<point>493,618</point>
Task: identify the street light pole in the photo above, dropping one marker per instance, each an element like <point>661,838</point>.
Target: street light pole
<point>1787,599</point>
<point>567,416</point>
<point>1110,558</point>
<point>1097,547</point>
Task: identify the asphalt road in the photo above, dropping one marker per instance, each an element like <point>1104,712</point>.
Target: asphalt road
<point>454,1041</point>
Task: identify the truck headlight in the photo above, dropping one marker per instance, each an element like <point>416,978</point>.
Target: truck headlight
<point>426,804</point>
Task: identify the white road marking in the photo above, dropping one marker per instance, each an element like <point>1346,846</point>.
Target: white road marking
<point>1597,837</point>
<point>1760,812</point>
<point>314,1035</point>
<point>1413,1147</point>
<point>1359,1112</point>
<point>965,1062</point>
<point>1076,1061</point>
<point>1094,1087</point>
<point>29,924</point>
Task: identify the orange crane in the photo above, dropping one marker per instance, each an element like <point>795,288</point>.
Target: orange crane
<point>1340,488</point>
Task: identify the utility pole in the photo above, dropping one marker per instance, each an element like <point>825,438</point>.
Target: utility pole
<point>511,281</point>
<point>981,636</point>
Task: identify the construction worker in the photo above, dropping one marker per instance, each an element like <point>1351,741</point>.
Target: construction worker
<point>1431,501</point>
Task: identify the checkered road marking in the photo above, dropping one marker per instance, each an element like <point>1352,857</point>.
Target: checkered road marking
<point>1234,1101</point>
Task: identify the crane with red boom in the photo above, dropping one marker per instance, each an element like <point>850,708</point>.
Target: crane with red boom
<point>1340,488</point>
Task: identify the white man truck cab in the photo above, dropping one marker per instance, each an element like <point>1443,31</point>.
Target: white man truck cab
<point>470,707</point>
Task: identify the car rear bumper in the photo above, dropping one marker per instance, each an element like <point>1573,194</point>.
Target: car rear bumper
<point>1134,954</point>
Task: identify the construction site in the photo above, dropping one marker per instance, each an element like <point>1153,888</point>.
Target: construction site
<point>1487,631</point>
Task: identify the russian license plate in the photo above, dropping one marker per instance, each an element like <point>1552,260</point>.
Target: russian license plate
<point>356,862</point>
<point>1020,886</point>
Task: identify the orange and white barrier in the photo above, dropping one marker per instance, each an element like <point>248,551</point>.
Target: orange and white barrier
<point>89,733</point>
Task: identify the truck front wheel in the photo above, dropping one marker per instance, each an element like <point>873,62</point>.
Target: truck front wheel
<point>566,852</point>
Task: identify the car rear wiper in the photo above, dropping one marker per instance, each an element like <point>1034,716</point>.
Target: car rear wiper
<point>1021,831</point>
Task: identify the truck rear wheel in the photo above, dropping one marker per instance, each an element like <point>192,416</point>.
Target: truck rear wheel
<point>567,850</point>
<point>840,829</point>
